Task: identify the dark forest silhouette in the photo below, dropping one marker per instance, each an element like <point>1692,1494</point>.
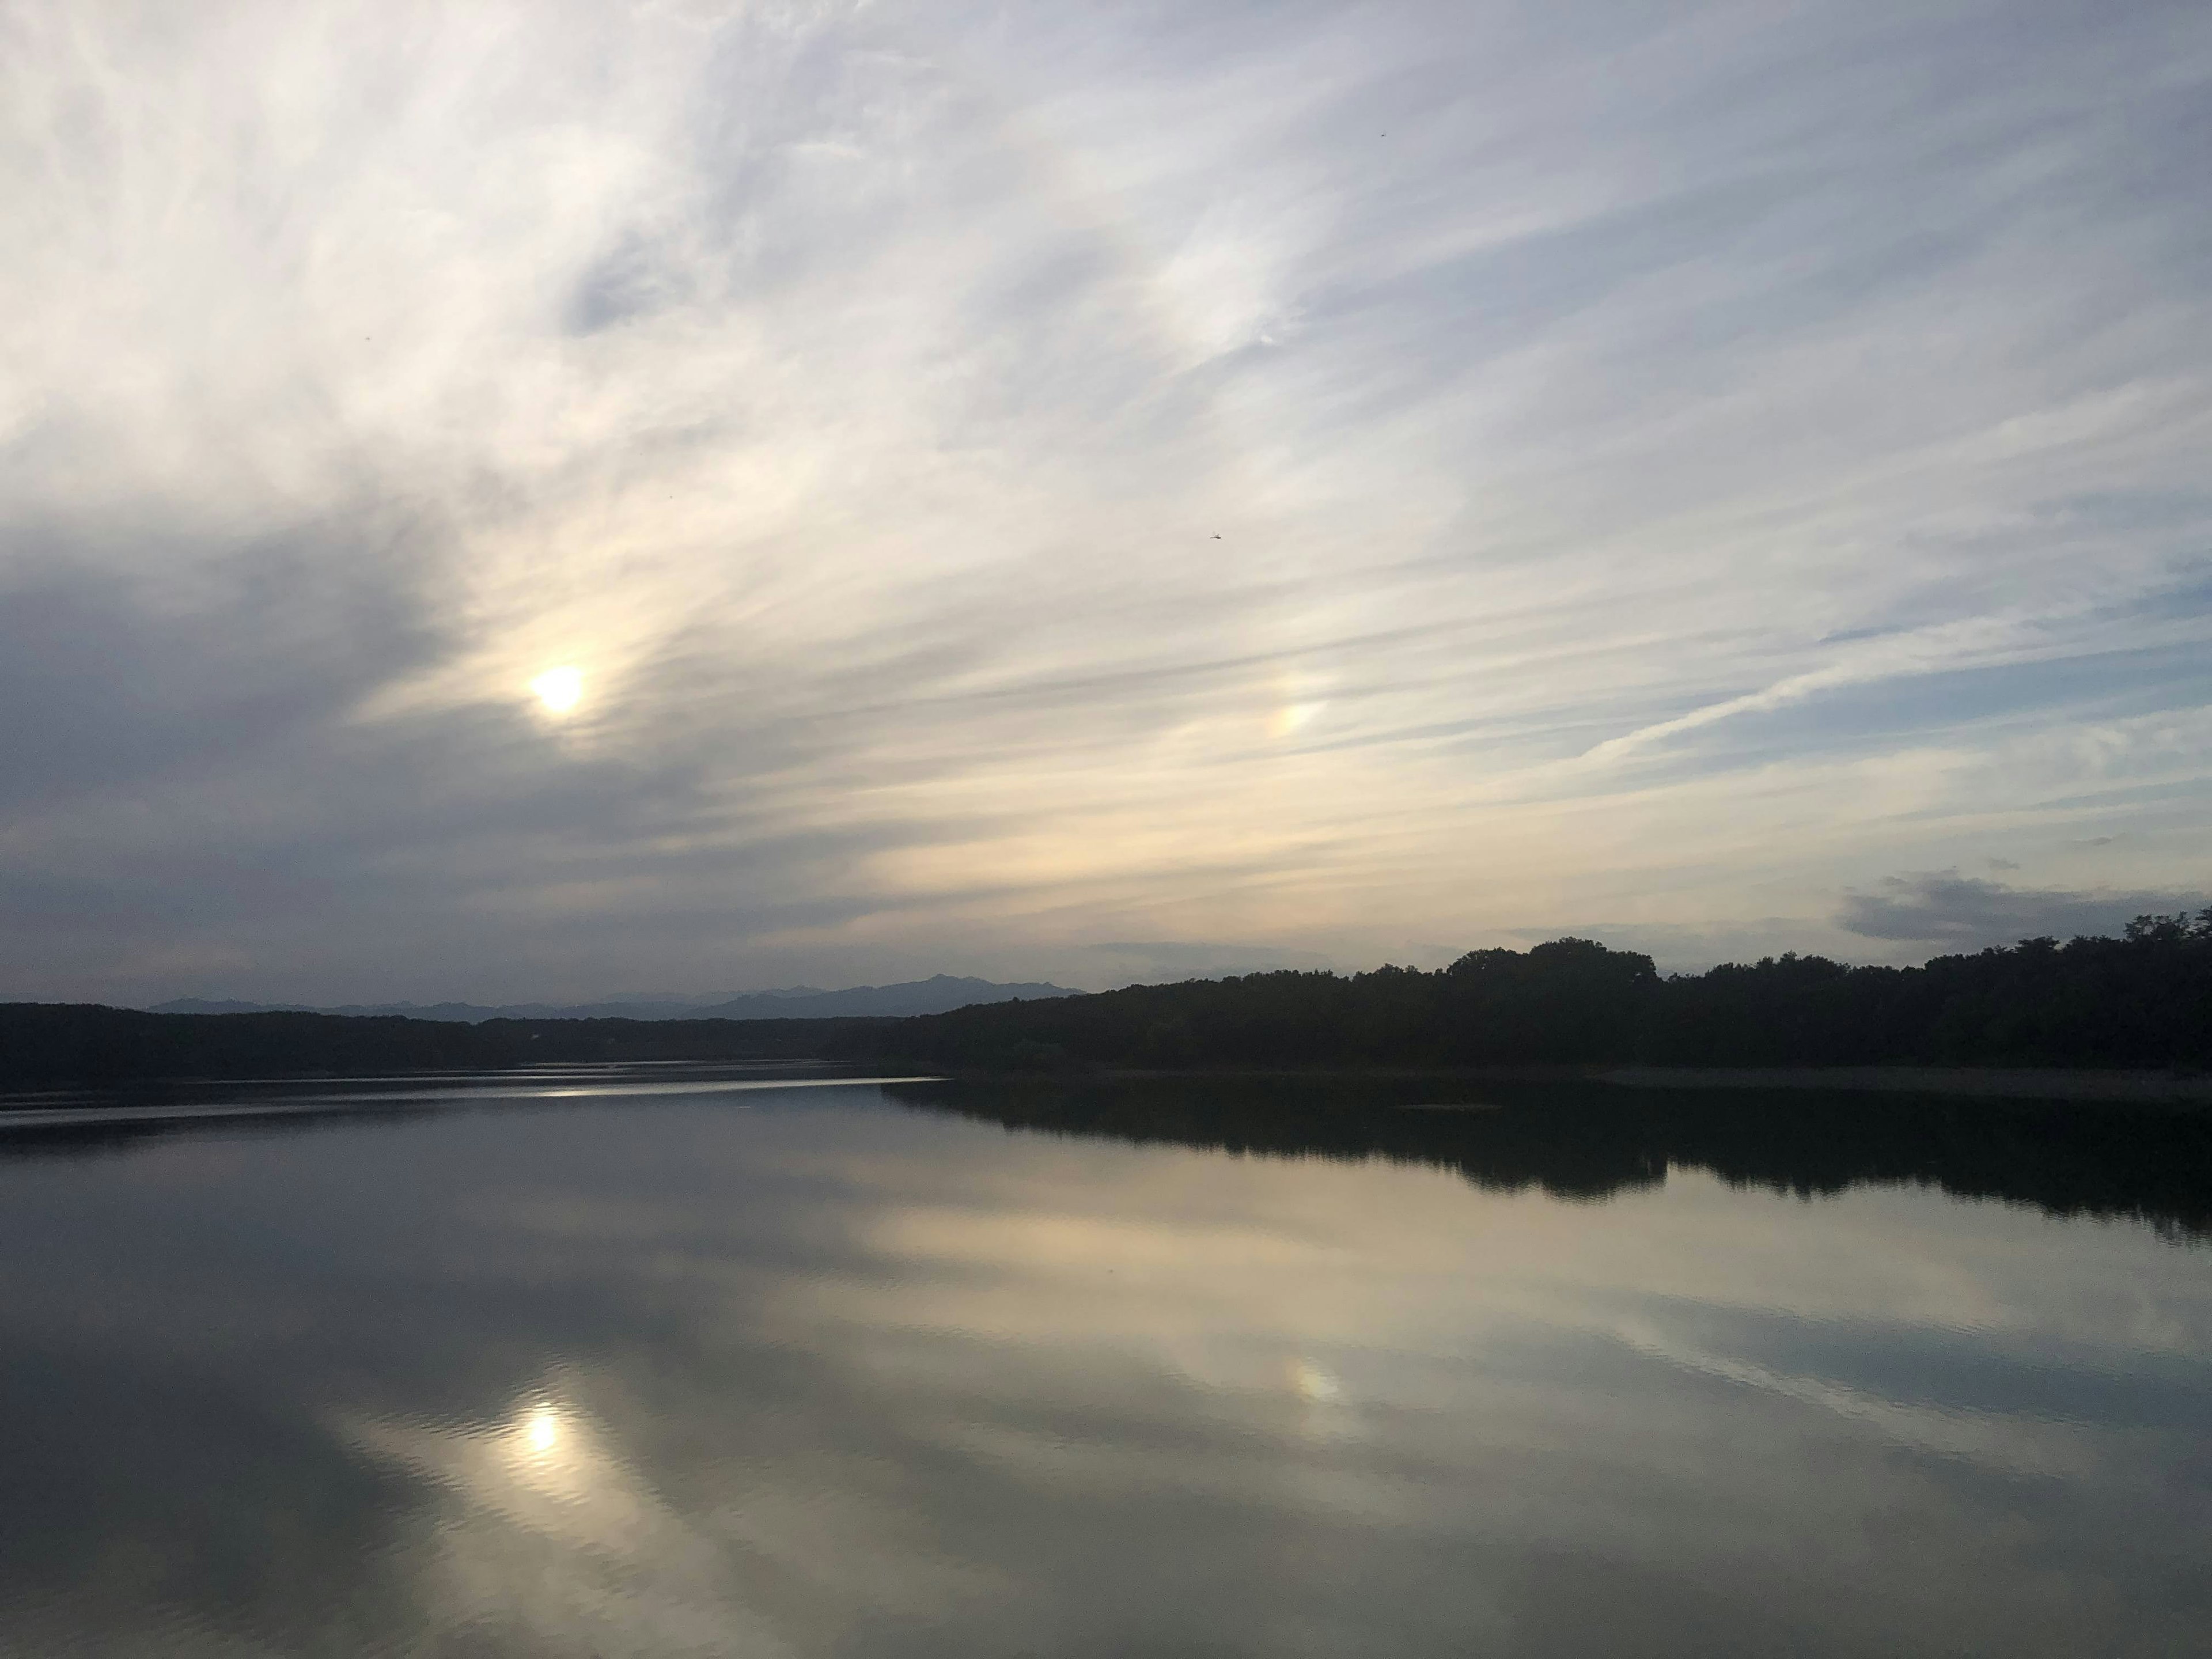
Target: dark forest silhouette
<point>2142,1001</point>
<point>44,1044</point>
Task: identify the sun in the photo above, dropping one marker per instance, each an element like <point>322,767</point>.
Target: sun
<point>559,689</point>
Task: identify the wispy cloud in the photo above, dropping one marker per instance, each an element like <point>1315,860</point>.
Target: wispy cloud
<point>1012,481</point>
<point>1951,910</point>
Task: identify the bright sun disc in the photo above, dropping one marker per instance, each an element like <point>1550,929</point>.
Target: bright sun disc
<point>559,689</point>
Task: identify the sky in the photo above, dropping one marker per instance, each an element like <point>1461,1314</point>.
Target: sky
<point>524,501</point>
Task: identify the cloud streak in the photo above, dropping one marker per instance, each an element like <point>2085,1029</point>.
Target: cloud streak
<point>1961,911</point>
<point>1673,470</point>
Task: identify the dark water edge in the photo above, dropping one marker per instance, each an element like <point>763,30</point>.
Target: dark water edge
<point>1589,1141</point>
<point>1569,1136</point>
<point>2180,1091</point>
<point>2087,1085</point>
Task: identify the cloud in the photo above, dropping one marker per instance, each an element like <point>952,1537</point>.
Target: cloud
<point>1945,907</point>
<point>1658,466</point>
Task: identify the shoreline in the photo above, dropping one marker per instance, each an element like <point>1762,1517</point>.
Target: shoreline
<point>81,1103</point>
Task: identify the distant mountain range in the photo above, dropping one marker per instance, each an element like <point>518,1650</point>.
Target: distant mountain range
<point>938,994</point>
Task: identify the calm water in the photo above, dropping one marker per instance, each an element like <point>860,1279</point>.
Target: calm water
<point>920,1369</point>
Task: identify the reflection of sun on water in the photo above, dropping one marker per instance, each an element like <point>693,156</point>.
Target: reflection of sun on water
<point>547,1533</point>
<point>560,690</point>
<point>543,1431</point>
<point>1328,1412</point>
<point>551,1454</point>
<point>543,1464</point>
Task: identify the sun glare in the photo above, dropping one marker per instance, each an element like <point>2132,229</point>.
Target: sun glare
<point>559,689</point>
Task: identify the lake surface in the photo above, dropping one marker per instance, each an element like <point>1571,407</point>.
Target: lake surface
<point>648,1362</point>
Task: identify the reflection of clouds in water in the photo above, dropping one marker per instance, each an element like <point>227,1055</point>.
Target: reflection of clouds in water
<point>2007,1442</point>
<point>1217,1267</point>
<point>849,1381</point>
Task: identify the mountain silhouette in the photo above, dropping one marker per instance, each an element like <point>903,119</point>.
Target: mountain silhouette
<point>938,994</point>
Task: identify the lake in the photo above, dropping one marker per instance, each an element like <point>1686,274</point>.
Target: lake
<point>663,1361</point>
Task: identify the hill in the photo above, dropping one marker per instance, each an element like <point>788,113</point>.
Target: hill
<point>2142,1000</point>
<point>939,994</point>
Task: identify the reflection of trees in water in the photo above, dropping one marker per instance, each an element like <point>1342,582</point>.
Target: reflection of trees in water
<point>1592,1141</point>
<point>25,1142</point>
<point>1575,1141</point>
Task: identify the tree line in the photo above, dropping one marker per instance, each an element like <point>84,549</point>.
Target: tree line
<point>57,1043</point>
<point>2143,1000</point>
